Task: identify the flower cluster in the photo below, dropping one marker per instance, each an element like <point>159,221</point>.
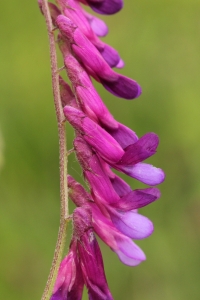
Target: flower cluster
<point>101,144</point>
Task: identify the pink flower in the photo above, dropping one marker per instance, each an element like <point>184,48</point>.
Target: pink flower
<point>94,63</point>
<point>83,264</point>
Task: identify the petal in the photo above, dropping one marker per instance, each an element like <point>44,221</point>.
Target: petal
<point>123,87</point>
<point>92,104</point>
<point>98,26</point>
<point>102,142</point>
<point>120,64</point>
<point>100,185</point>
<point>129,253</point>
<point>123,135</point>
<point>94,135</point>
<point>110,55</point>
<point>92,267</point>
<point>120,186</point>
<point>106,7</point>
<point>132,224</point>
<point>145,147</point>
<point>145,173</point>
<point>137,198</point>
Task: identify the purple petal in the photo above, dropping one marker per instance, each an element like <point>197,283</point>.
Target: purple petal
<point>120,186</point>
<point>69,282</point>
<point>95,65</point>
<point>120,64</point>
<point>123,87</point>
<point>95,135</point>
<point>145,173</point>
<point>132,224</point>
<point>92,267</point>
<point>92,104</point>
<point>136,199</point>
<point>92,60</point>
<point>106,7</point>
<point>88,98</point>
<point>98,26</point>
<point>129,253</point>
<point>110,55</point>
<point>66,27</point>
<point>100,184</point>
<point>123,135</point>
<point>145,147</point>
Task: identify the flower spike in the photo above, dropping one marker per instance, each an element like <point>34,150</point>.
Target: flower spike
<point>109,207</point>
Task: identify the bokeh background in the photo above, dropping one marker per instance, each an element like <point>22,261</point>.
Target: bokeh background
<point>160,43</point>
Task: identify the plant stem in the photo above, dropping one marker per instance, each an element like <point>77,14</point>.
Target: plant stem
<point>62,157</point>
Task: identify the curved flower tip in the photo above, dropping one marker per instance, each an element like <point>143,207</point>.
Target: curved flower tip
<point>69,282</point>
<point>120,186</point>
<point>136,199</point>
<point>145,173</point>
<point>128,252</point>
<point>123,135</point>
<point>98,26</point>
<point>142,149</point>
<point>110,55</point>
<point>120,64</point>
<point>94,62</point>
<point>94,135</point>
<point>132,224</point>
<point>123,87</point>
<point>106,7</point>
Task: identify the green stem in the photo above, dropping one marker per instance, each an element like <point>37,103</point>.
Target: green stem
<point>62,157</point>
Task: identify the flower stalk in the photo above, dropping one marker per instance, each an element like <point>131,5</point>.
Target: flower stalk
<point>63,157</point>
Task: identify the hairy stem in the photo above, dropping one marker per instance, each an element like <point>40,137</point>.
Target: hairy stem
<point>62,157</point>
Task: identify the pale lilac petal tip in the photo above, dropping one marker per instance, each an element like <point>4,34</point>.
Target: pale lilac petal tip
<point>129,253</point>
<point>145,173</point>
<point>98,26</point>
<point>133,225</point>
<point>120,64</point>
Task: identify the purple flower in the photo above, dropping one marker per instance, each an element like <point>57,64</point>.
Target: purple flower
<point>69,283</point>
<point>95,135</point>
<point>110,207</point>
<point>128,252</point>
<point>98,26</point>
<point>74,12</point>
<point>128,162</point>
<point>83,264</point>
<point>94,63</point>
<point>88,98</point>
<point>105,7</point>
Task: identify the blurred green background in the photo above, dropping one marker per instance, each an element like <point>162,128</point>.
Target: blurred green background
<point>160,43</point>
